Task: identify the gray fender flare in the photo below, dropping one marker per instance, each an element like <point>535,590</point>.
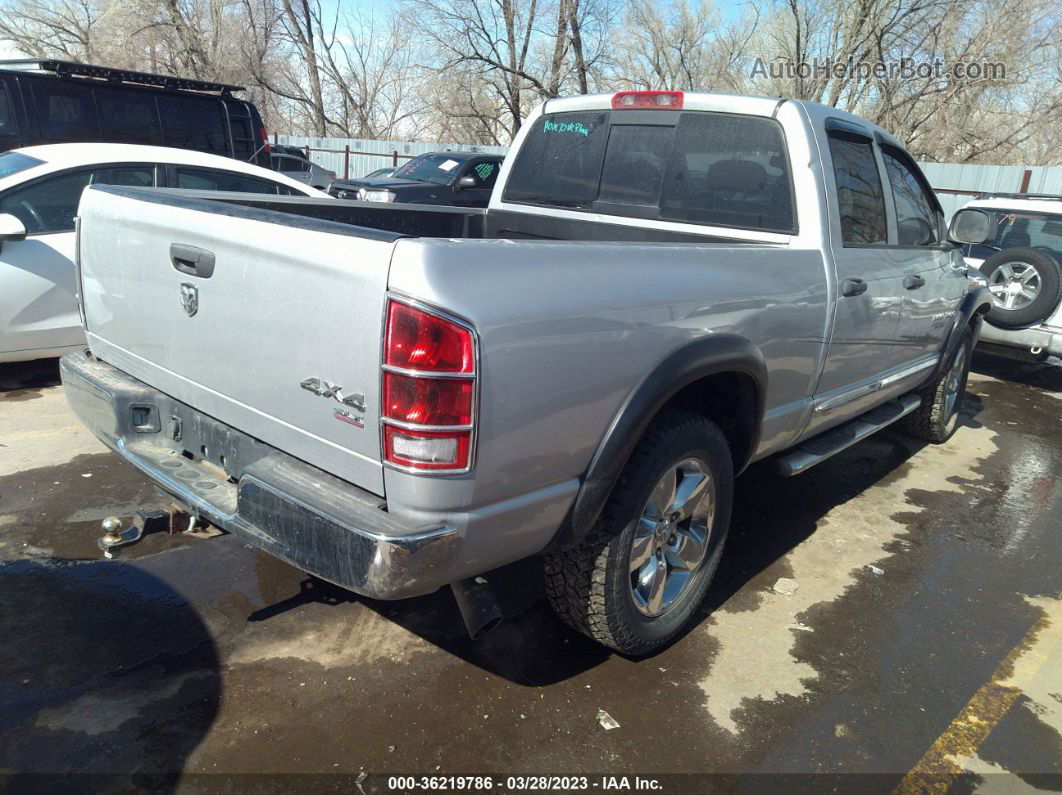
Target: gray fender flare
<point>711,355</point>
<point>974,306</point>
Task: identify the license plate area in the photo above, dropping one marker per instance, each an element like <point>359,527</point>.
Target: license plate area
<point>208,442</point>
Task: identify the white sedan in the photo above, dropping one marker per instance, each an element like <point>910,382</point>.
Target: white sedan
<point>40,187</point>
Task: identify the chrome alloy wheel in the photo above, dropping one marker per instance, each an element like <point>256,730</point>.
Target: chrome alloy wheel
<point>1014,285</point>
<point>671,537</point>
<point>953,382</point>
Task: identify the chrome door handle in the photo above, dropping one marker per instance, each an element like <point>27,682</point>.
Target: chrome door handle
<point>850,287</point>
<point>912,281</point>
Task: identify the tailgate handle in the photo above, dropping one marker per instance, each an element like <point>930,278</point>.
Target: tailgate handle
<point>191,260</point>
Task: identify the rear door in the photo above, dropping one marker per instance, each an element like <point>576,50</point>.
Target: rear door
<point>285,299</point>
<point>869,295</point>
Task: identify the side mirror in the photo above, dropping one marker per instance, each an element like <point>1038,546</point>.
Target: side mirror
<point>971,227</point>
<point>466,182</point>
<point>11,228</point>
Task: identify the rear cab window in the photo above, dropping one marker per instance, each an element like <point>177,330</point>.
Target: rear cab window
<point>707,168</point>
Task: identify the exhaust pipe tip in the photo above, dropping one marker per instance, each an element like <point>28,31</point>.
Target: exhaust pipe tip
<point>479,608</point>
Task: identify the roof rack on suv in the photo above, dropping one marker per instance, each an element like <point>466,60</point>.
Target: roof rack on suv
<point>74,69</point>
<point>1037,196</point>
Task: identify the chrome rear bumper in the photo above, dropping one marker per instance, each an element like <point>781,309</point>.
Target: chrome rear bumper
<point>322,525</point>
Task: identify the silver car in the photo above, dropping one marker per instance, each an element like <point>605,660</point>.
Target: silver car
<point>302,170</point>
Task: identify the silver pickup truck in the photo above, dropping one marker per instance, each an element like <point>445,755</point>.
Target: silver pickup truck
<point>664,288</point>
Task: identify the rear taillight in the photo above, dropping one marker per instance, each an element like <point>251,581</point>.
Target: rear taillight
<point>265,140</point>
<point>419,340</point>
<point>428,391</point>
<point>647,100</point>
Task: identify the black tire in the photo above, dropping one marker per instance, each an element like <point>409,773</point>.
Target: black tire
<point>936,419</point>
<point>591,585</point>
<point>1048,286</point>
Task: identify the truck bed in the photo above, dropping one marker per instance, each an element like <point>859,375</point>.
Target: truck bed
<point>413,220</point>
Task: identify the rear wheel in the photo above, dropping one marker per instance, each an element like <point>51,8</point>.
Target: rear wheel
<point>936,419</point>
<point>639,574</point>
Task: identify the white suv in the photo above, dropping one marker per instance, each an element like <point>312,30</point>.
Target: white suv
<point>1022,266</point>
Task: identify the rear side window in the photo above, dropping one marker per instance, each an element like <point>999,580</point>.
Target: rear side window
<point>859,194</point>
<point>128,117</point>
<point>209,179</point>
<point>710,168</point>
<point>131,176</point>
<point>65,113</point>
<point>916,218</point>
<point>193,123</point>
<point>7,113</point>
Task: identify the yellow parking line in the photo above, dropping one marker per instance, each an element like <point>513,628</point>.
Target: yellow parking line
<point>937,770</point>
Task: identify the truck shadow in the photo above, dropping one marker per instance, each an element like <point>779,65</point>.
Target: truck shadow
<point>97,663</point>
<point>1046,375</point>
<point>23,380</point>
<point>772,515</point>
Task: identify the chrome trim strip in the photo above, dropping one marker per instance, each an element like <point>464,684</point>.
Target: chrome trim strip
<point>390,368</point>
<point>909,371</point>
<point>414,426</point>
<point>867,389</point>
<point>847,397</point>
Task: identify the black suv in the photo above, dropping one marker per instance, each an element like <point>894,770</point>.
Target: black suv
<point>47,102</point>
<point>461,179</point>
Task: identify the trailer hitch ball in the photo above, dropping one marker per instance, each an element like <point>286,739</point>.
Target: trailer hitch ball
<point>114,537</point>
<point>111,527</point>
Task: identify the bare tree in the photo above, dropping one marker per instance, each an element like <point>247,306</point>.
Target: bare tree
<point>491,39</point>
<point>680,46</point>
<point>53,28</point>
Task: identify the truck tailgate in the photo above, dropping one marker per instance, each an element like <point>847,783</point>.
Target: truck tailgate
<point>288,300</point>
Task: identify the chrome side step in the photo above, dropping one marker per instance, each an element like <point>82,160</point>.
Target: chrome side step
<point>819,448</point>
